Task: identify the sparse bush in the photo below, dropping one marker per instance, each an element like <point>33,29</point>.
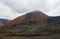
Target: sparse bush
<point>2,31</point>
<point>45,29</point>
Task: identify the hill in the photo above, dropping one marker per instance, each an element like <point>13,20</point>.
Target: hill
<point>35,17</point>
<point>34,23</point>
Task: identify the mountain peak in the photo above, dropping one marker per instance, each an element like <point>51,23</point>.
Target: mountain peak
<point>35,17</point>
<point>36,11</point>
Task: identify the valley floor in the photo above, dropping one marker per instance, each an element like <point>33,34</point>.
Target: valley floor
<point>55,36</point>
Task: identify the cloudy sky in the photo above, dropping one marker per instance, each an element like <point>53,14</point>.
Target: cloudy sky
<point>13,8</point>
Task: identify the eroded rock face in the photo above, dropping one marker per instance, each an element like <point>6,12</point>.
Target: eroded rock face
<point>36,17</point>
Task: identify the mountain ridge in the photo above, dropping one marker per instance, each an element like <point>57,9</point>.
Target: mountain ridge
<point>4,21</point>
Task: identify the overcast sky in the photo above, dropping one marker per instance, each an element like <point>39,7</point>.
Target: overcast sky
<point>14,8</point>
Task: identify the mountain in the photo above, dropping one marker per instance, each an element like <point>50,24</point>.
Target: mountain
<point>1,24</point>
<point>35,17</point>
<point>54,20</point>
<point>4,21</point>
<point>35,22</point>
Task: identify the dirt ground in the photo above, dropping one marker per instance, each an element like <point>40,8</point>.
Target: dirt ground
<point>56,36</point>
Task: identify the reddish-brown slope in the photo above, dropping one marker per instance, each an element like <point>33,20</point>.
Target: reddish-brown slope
<point>35,17</point>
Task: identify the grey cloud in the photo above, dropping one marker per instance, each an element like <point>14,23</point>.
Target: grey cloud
<point>21,7</point>
<point>6,12</point>
<point>15,6</point>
